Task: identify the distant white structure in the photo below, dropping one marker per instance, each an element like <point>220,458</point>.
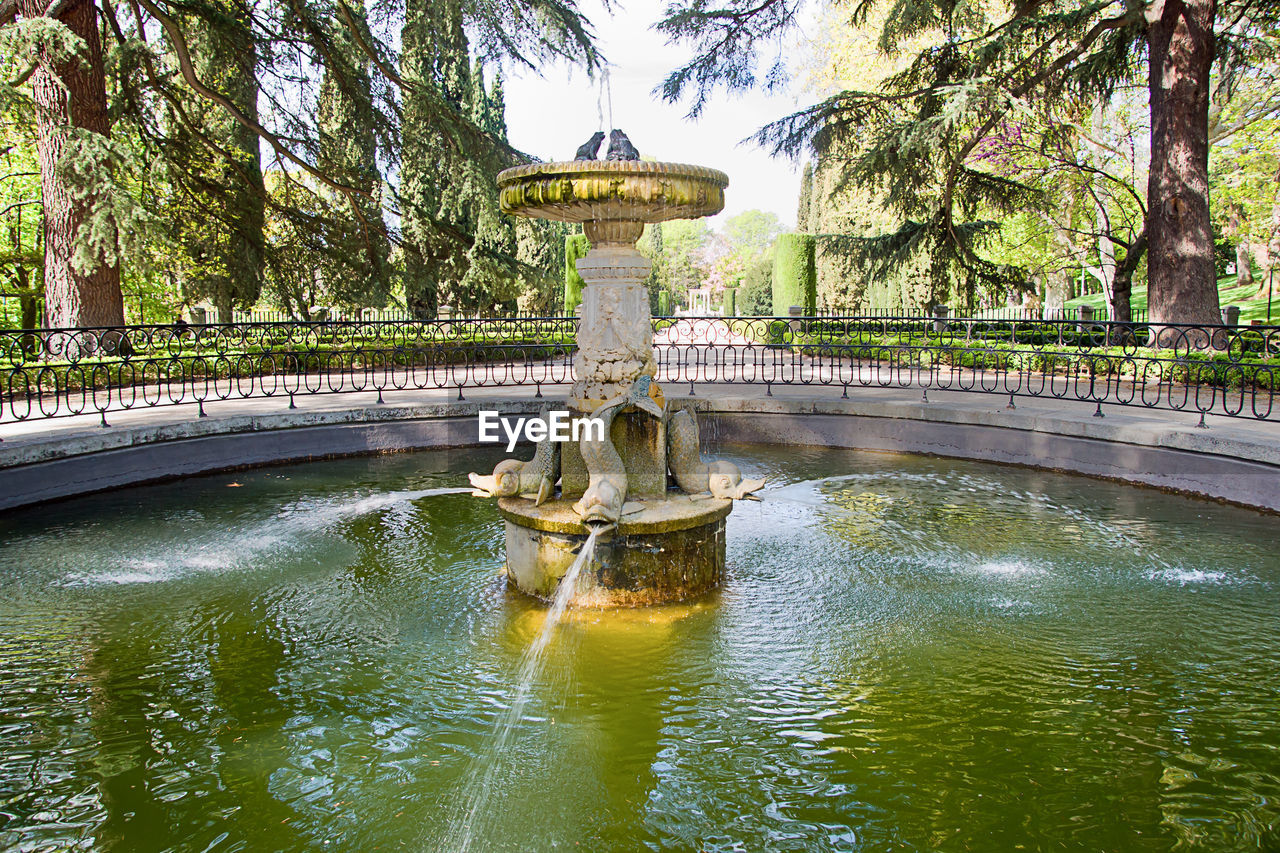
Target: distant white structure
<point>700,303</point>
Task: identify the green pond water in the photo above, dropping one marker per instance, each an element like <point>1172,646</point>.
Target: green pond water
<point>907,654</point>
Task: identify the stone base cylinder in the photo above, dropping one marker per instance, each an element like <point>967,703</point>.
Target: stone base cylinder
<point>672,550</point>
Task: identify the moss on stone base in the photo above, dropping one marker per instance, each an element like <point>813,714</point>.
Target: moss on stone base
<point>671,551</point>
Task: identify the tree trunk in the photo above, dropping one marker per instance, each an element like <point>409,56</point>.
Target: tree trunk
<point>1267,251</point>
<point>1122,287</point>
<point>1235,230</point>
<point>1244,258</point>
<point>1182,286</point>
<point>71,94</point>
<point>1058,283</point>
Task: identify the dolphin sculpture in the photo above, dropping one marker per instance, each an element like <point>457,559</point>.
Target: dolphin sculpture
<point>604,501</point>
<point>535,479</point>
<point>696,478</point>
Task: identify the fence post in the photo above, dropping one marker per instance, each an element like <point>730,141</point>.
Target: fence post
<point>940,312</point>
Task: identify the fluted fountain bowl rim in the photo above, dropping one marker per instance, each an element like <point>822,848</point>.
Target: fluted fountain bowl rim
<point>617,190</point>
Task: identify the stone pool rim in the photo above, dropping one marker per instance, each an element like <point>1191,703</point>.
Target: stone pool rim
<point>1233,461</point>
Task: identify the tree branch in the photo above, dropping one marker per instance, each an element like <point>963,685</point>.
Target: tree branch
<point>1019,91</point>
<point>188,71</point>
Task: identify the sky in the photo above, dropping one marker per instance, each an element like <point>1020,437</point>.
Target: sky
<point>640,59</point>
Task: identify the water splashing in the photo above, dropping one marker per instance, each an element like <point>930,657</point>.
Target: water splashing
<point>228,547</point>
<point>462,829</point>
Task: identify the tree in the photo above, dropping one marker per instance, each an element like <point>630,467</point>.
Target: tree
<point>982,66</point>
<point>751,233</point>
<point>576,247</point>
<point>652,245</point>
<point>461,249</point>
<point>355,262</point>
<point>755,295</point>
<point>1245,170</point>
<point>794,279</point>
<point>803,225</point>
<point>184,82</point>
<point>21,223</point>
<point>1087,174</point>
<point>68,88</point>
<point>684,244</point>
<point>219,199</point>
<point>1182,285</point>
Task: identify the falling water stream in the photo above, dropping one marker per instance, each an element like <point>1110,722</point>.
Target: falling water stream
<point>475,798</point>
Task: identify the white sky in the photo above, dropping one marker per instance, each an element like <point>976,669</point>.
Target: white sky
<point>551,115</point>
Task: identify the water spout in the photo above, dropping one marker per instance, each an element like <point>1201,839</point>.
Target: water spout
<point>462,830</point>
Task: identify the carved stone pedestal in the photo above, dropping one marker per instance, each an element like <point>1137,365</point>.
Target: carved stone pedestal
<point>615,337</point>
<point>672,550</point>
<point>673,547</point>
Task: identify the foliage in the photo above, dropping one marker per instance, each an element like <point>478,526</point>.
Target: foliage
<point>755,296</point>
<point>1245,171</point>
<point>576,247</point>
<point>794,278</point>
<point>217,197</point>
<point>355,262</point>
<point>729,303</point>
<point>21,231</point>
<point>685,264</point>
<point>196,91</point>
<point>965,72</point>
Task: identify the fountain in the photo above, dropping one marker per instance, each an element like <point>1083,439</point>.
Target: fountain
<point>656,542</point>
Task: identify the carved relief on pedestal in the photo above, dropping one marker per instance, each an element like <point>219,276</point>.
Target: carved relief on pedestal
<point>615,339</point>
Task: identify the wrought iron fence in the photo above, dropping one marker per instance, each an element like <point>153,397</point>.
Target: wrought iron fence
<point>1222,370</point>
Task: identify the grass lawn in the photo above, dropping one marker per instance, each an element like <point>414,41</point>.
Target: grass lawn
<point>1229,293</point>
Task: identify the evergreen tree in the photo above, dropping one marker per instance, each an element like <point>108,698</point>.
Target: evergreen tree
<point>436,67</point>
<point>803,225</point>
<point>354,267</point>
<point>61,48</point>
<point>219,199</point>
<point>491,283</point>
<point>981,66</point>
<point>184,81</point>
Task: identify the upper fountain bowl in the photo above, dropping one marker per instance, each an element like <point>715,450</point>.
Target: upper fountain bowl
<point>613,199</point>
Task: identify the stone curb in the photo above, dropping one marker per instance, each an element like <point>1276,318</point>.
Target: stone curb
<point>1237,463</point>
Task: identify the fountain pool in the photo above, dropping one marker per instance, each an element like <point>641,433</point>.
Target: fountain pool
<point>906,653</point>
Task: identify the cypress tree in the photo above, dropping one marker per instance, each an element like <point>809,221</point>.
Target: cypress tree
<point>491,282</point>
<point>575,246</point>
<point>794,280</point>
<point>435,67</point>
<point>803,224</point>
<point>354,267</point>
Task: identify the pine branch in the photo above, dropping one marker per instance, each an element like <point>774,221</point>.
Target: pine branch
<point>183,54</point>
<point>1099,29</point>
<point>728,39</point>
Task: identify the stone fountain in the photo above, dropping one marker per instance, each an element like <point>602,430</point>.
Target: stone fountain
<point>658,509</point>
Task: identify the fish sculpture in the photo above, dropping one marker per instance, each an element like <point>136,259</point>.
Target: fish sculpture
<point>534,480</point>
<point>604,502</point>
<point>696,478</point>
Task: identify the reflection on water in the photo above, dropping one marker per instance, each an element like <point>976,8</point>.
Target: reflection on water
<point>907,653</point>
